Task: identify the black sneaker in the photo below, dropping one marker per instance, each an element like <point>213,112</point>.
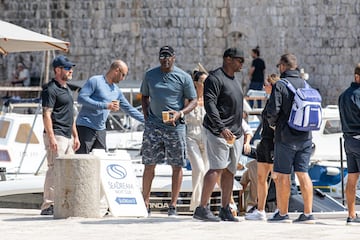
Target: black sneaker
<point>353,221</point>
<point>107,212</point>
<point>48,211</point>
<point>172,211</point>
<point>149,212</point>
<point>252,209</point>
<point>226,215</point>
<point>305,219</point>
<point>278,218</point>
<point>205,214</point>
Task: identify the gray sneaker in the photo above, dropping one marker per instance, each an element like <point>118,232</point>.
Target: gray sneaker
<point>225,214</point>
<point>353,221</point>
<point>172,211</point>
<point>204,214</point>
<point>305,219</point>
<point>277,218</point>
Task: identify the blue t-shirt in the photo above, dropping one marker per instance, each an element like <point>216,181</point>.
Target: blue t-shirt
<point>94,97</point>
<point>167,91</point>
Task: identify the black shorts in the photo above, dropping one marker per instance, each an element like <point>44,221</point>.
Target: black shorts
<point>265,151</point>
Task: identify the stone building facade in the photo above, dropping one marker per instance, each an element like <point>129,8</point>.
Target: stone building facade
<point>322,33</point>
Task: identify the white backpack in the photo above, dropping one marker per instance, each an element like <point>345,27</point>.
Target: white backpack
<point>306,110</point>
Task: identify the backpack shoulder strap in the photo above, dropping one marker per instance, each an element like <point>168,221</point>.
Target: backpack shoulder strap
<point>288,84</point>
<point>306,84</point>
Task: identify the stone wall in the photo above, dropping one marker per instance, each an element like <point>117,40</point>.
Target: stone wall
<point>322,33</point>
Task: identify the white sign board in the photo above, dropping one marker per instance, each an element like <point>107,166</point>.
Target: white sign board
<point>121,187</point>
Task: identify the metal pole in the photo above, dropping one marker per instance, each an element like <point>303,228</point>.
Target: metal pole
<point>342,171</point>
<point>29,138</point>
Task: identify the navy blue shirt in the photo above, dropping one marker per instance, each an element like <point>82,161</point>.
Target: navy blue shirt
<point>279,107</point>
<point>349,108</point>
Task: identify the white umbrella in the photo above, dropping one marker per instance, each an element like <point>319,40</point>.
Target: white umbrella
<point>17,39</point>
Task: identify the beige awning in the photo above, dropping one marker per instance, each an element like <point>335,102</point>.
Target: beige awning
<point>14,38</point>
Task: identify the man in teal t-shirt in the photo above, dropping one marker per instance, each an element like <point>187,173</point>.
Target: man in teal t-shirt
<point>165,88</point>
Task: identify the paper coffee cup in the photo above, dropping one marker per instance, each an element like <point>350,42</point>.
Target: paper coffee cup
<point>116,101</point>
<point>231,141</point>
<point>165,116</point>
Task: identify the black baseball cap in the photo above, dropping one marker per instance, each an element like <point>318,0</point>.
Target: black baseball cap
<point>233,53</point>
<point>167,50</point>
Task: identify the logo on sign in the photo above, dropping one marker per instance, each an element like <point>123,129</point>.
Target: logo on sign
<point>116,171</point>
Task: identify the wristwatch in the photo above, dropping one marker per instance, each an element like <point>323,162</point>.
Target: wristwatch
<point>181,119</point>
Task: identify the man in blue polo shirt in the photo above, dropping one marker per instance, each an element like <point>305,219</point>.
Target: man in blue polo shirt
<point>97,99</point>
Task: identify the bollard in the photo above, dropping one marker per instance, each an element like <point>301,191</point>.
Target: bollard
<point>77,186</point>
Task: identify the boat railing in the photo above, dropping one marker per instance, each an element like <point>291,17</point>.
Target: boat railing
<point>11,104</point>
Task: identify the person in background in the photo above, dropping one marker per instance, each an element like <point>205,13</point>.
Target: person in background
<point>195,140</point>
<point>248,175</point>
<point>256,74</point>
<point>349,108</point>
<point>264,157</point>
<point>292,148</point>
<point>60,134</point>
<point>98,97</point>
<point>165,88</point>
<point>223,101</point>
<point>22,76</point>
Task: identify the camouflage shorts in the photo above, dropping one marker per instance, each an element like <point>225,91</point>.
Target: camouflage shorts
<point>161,145</point>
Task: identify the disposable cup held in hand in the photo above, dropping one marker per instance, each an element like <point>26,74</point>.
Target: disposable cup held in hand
<point>165,116</point>
<point>231,141</point>
<point>115,101</point>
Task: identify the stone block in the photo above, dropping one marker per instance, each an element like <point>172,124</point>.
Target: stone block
<point>77,186</point>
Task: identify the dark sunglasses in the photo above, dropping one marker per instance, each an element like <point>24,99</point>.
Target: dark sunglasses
<point>240,59</point>
<point>164,56</point>
<point>66,68</point>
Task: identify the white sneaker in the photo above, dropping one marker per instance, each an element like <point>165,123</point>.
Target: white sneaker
<point>256,215</point>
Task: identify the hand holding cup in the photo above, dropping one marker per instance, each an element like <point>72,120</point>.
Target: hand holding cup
<point>169,117</point>
<point>115,105</point>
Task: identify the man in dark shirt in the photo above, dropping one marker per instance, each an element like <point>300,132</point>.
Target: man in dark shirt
<point>223,102</point>
<point>349,108</point>
<point>256,74</point>
<point>292,148</point>
<point>60,135</point>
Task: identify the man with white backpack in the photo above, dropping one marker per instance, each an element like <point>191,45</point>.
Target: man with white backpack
<point>292,147</point>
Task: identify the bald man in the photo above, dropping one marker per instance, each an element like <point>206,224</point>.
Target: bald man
<point>98,97</point>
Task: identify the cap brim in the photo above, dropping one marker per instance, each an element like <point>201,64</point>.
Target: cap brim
<point>166,52</point>
<point>69,64</point>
